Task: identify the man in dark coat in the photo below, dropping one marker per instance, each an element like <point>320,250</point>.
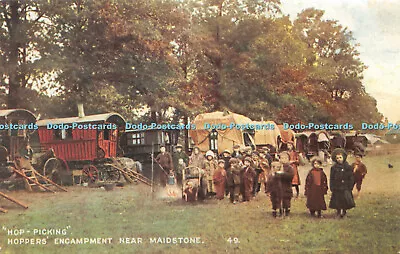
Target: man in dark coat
<point>316,187</point>
<point>341,183</point>
<point>164,159</point>
<point>179,154</point>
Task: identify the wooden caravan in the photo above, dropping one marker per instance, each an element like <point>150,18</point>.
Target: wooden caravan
<point>139,144</point>
<point>218,131</point>
<point>22,122</point>
<point>302,142</point>
<point>318,142</point>
<point>267,134</point>
<point>82,143</point>
<point>82,138</point>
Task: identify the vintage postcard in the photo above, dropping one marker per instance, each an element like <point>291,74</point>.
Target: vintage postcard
<point>199,126</point>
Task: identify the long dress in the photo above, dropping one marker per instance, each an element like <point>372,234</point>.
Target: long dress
<point>341,185</point>
<point>248,182</point>
<point>315,189</point>
<point>294,157</point>
<point>219,179</point>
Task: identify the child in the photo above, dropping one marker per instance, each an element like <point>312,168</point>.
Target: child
<point>316,187</point>
<point>255,164</point>
<point>219,179</point>
<point>264,174</point>
<point>279,185</point>
<point>190,193</point>
<point>179,170</point>
<point>294,162</point>
<point>209,168</point>
<point>286,177</point>
<point>233,180</point>
<point>248,175</point>
<point>341,183</point>
<point>360,170</point>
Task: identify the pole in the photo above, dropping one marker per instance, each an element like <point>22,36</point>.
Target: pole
<point>152,168</point>
<point>13,200</point>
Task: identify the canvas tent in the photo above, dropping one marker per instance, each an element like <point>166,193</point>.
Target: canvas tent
<point>214,131</point>
<point>265,136</point>
<point>393,136</point>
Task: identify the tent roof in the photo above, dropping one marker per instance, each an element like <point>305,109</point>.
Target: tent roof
<point>107,117</point>
<point>219,118</point>
<point>10,112</point>
<point>266,136</point>
<point>393,132</point>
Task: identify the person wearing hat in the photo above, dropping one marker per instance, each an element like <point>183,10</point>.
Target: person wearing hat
<point>286,178</point>
<point>282,186</point>
<point>210,167</point>
<point>274,188</point>
<point>190,192</point>
<point>164,160</point>
<point>341,183</point>
<point>179,154</point>
<point>360,170</point>
<point>294,162</point>
<point>236,152</point>
<point>247,152</point>
<point>267,154</point>
<point>234,180</point>
<point>26,151</point>
<point>181,160</point>
<point>255,164</point>
<point>197,159</point>
<point>265,168</point>
<point>316,187</point>
<point>226,156</point>
<point>248,176</point>
<point>219,179</point>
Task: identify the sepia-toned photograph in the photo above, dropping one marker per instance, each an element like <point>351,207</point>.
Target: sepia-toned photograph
<point>199,126</point>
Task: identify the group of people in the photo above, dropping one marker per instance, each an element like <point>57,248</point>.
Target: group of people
<point>242,174</point>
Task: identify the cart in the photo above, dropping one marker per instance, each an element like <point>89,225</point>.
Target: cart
<point>192,177</point>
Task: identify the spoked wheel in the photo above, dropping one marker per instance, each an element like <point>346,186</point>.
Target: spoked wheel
<point>111,174</point>
<point>52,169</point>
<point>90,174</point>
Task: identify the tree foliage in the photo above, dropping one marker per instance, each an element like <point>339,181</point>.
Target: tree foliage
<point>181,58</point>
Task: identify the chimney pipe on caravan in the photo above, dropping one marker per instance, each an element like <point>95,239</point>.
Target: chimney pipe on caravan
<point>81,112</point>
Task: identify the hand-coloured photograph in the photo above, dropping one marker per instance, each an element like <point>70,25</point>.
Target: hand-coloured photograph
<point>199,126</point>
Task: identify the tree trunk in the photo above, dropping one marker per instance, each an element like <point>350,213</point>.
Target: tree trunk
<point>14,84</point>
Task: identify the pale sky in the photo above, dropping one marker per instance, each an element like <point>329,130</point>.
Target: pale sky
<point>376,26</point>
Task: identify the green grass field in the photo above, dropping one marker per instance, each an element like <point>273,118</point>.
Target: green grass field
<point>130,212</point>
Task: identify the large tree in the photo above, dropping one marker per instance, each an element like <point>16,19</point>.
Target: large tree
<point>22,39</point>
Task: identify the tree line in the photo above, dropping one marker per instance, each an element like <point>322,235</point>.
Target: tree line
<point>177,59</point>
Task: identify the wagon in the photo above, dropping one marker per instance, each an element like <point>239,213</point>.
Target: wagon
<point>318,144</point>
<point>84,146</point>
<point>192,176</point>
<point>12,139</point>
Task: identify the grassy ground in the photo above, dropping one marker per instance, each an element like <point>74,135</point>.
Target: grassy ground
<point>130,212</point>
